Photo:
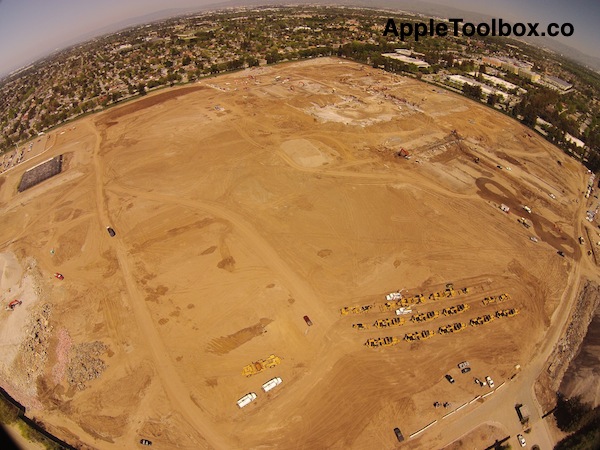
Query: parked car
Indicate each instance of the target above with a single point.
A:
(521, 440)
(145, 442)
(111, 231)
(490, 382)
(465, 370)
(308, 321)
(59, 276)
(449, 378)
(398, 434)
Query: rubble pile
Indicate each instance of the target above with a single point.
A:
(34, 349)
(85, 363)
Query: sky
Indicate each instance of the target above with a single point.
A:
(30, 29)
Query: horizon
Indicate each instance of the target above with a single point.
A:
(64, 23)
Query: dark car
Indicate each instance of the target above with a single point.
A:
(465, 369)
(450, 379)
(398, 434)
(561, 253)
(308, 321)
(111, 231)
(145, 442)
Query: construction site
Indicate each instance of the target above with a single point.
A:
(303, 266)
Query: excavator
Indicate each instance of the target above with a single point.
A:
(12, 305)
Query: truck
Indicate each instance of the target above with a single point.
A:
(272, 383)
(246, 399)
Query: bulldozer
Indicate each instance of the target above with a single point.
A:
(259, 366)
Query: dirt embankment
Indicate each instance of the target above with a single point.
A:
(583, 375)
(569, 369)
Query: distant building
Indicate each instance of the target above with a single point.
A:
(458, 81)
(514, 66)
(401, 56)
(557, 83)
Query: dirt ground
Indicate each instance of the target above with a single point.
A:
(243, 203)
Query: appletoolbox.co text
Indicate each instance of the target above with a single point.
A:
(497, 28)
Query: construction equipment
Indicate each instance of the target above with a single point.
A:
(481, 320)
(451, 328)
(507, 312)
(272, 383)
(458, 326)
(394, 296)
(523, 221)
(495, 299)
(360, 326)
(382, 342)
(355, 309)
(414, 336)
(403, 153)
(246, 399)
(451, 310)
(426, 334)
(389, 322)
(259, 366)
(402, 311)
(12, 305)
(425, 317)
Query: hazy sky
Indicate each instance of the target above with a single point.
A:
(30, 29)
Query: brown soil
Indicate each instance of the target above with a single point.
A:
(233, 223)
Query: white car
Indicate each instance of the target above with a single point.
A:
(521, 440)
(533, 239)
(490, 382)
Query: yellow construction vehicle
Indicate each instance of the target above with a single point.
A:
(426, 334)
(458, 326)
(414, 336)
(355, 309)
(446, 329)
(259, 366)
(507, 312)
(387, 341)
(360, 326)
(451, 310)
(389, 322)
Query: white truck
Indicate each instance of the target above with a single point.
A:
(402, 311)
(246, 399)
(393, 296)
(272, 383)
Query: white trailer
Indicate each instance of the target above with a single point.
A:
(246, 399)
(272, 383)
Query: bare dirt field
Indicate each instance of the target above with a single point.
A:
(247, 201)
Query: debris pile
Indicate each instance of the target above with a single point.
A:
(35, 346)
(85, 363)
